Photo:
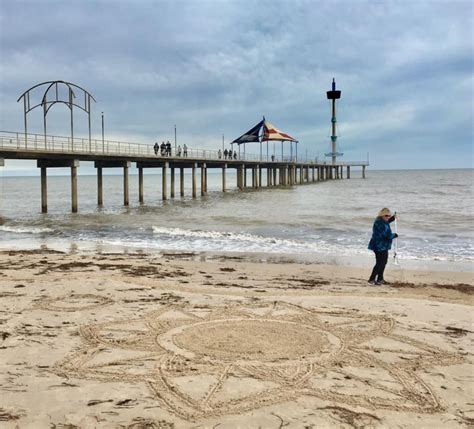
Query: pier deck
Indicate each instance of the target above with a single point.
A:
(56, 151)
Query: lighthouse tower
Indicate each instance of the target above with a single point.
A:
(333, 95)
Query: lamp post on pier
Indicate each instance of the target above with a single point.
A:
(175, 141)
(103, 141)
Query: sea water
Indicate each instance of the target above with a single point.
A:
(328, 221)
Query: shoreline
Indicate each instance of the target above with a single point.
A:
(362, 261)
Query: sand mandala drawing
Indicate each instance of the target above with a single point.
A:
(73, 302)
(202, 362)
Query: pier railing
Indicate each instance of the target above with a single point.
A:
(18, 141)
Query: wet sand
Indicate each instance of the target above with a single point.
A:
(149, 341)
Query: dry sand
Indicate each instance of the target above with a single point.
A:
(147, 341)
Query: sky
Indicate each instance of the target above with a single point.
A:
(214, 68)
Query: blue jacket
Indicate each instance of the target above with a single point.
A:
(382, 235)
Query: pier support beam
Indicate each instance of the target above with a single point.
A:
(245, 177)
(44, 164)
(111, 164)
(44, 191)
(348, 172)
(171, 182)
(313, 175)
(164, 191)
(194, 179)
(274, 181)
(224, 168)
(2, 162)
(203, 180)
(363, 172)
(259, 176)
(140, 185)
(74, 189)
(181, 181)
(125, 186)
(100, 189)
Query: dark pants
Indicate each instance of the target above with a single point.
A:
(380, 262)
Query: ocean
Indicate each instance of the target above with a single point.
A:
(328, 221)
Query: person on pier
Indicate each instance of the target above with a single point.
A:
(380, 244)
(226, 152)
(179, 150)
(156, 148)
(185, 150)
(168, 148)
(163, 148)
(235, 154)
(219, 154)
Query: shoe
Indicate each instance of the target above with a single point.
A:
(382, 282)
(371, 282)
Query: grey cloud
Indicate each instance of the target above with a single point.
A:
(211, 67)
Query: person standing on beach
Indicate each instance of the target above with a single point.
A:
(380, 244)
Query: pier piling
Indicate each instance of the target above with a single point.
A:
(181, 181)
(203, 180)
(44, 191)
(194, 179)
(171, 182)
(140, 185)
(74, 189)
(224, 167)
(100, 189)
(125, 185)
(163, 182)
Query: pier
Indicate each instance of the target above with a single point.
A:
(253, 171)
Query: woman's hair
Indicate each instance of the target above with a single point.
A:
(385, 212)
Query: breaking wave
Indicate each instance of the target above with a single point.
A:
(25, 230)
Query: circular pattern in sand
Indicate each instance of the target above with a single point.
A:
(262, 340)
(73, 302)
(203, 362)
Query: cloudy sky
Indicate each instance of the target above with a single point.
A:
(405, 69)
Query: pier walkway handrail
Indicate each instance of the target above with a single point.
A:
(19, 142)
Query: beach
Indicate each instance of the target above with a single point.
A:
(178, 340)
(191, 211)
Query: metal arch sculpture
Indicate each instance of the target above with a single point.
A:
(47, 104)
